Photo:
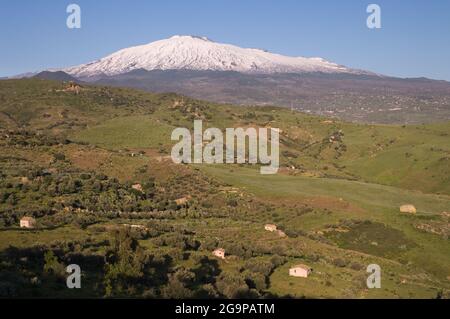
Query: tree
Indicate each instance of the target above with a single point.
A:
(125, 263)
(233, 286)
(179, 284)
(52, 265)
(256, 280)
(207, 270)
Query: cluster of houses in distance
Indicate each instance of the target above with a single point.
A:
(299, 270)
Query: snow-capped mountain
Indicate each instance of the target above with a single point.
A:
(195, 67)
(201, 54)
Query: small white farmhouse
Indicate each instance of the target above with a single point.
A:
(182, 201)
(27, 222)
(219, 252)
(270, 227)
(408, 209)
(300, 271)
(138, 187)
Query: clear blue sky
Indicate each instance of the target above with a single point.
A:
(414, 39)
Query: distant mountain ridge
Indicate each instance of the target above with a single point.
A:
(56, 75)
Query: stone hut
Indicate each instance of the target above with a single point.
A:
(410, 209)
(300, 271)
(219, 252)
(27, 222)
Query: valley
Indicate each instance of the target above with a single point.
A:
(91, 164)
(356, 98)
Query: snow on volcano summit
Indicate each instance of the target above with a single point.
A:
(200, 53)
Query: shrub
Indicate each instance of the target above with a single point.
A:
(339, 262)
